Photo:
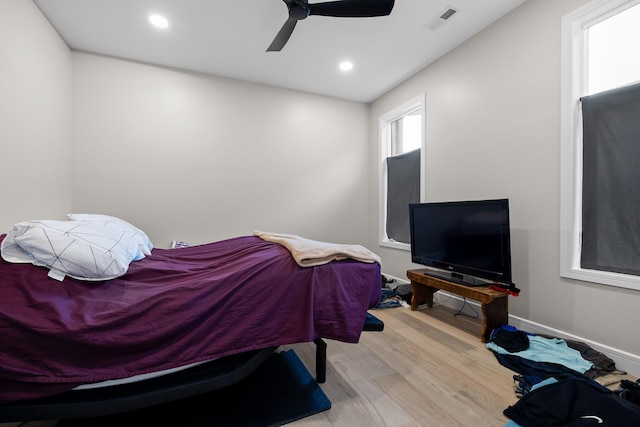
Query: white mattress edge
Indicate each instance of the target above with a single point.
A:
(137, 378)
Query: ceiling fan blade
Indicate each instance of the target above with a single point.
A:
(283, 35)
(352, 8)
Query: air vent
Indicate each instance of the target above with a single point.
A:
(448, 14)
(441, 19)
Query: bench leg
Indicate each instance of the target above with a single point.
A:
(495, 313)
(421, 293)
(321, 360)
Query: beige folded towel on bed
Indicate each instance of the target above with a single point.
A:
(308, 253)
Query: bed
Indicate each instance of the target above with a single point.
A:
(219, 308)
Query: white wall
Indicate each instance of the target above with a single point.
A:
(493, 130)
(35, 116)
(194, 157)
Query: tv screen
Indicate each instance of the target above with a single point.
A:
(467, 238)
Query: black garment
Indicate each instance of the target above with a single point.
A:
(511, 340)
(574, 403)
(629, 391)
(543, 370)
(601, 364)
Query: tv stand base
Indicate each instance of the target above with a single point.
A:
(495, 304)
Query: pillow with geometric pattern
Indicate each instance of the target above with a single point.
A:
(119, 225)
(83, 250)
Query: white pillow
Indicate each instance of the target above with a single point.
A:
(83, 250)
(118, 224)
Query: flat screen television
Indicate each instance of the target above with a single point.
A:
(463, 241)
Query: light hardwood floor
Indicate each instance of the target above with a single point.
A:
(427, 368)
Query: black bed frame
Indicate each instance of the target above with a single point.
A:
(203, 378)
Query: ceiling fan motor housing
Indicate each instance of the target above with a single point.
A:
(298, 12)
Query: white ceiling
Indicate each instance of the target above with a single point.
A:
(229, 38)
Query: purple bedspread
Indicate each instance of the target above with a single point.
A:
(175, 307)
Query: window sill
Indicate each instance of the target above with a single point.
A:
(395, 245)
(625, 281)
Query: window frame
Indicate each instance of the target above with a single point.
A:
(574, 68)
(417, 103)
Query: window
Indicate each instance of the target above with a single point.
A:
(401, 170)
(599, 53)
(613, 59)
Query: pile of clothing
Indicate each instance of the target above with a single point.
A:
(394, 294)
(556, 385)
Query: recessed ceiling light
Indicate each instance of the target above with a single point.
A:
(346, 66)
(159, 21)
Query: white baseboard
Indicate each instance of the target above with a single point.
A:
(625, 361)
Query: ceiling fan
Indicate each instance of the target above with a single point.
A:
(300, 9)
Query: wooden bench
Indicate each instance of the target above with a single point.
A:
(495, 304)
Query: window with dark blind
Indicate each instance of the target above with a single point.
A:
(402, 132)
(610, 183)
(599, 62)
(403, 184)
